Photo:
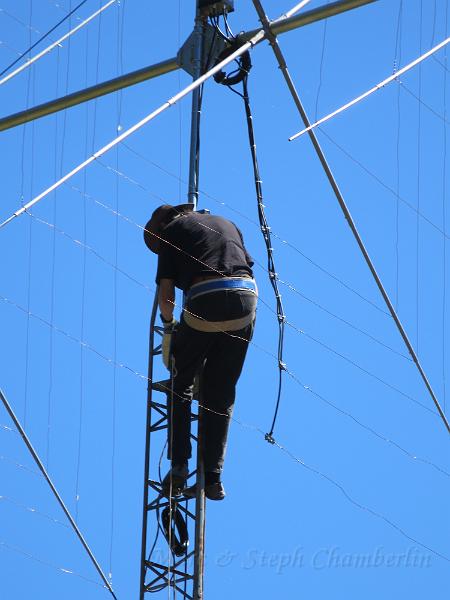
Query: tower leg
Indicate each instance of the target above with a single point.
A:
(199, 556)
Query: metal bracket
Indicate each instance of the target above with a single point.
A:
(215, 8)
(213, 45)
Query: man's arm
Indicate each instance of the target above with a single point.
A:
(166, 298)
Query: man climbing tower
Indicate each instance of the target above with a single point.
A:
(203, 255)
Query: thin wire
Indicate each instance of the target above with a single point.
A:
(342, 320)
(397, 61)
(25, 25)
(419, 137)
(358, 504)
(322, 56)
(440, 63)
(375, 88)
(372, 431)
(48, 564)
(97, 73)
(119, 68)
(20, 465)
(52, 279)
(90, 249)
(423, 103)
(8, 428)
(43, 37)
(58, 42)
(32, 510)
(444, 222)
(9, 47)
(83, 299)
(30, 234)
(358, 366)
(382, 183)
(61, 8)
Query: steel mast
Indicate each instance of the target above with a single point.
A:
(176, 513)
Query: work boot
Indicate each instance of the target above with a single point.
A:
(213, 491)
(174, 481)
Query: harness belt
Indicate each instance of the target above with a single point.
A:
(223, 283)
(217, 326)
(218, 285)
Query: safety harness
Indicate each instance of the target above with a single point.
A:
(219, 285)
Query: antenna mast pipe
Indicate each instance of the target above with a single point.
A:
(194, 172)
(199, 36)
(270, 35)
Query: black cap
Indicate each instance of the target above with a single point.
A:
(160, 218)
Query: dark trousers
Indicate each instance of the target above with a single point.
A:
(222, 356)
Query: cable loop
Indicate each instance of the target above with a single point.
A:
(173, 524)
(244, 66)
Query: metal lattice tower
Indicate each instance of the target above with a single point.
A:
(178, 518)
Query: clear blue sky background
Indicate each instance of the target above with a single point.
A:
(364, 428)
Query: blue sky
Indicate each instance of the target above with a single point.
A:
(365, 511)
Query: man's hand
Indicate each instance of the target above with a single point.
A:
(167, 341)
(166, 299)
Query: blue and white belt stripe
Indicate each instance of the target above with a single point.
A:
(224, 283)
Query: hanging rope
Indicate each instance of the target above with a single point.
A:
(240, 75)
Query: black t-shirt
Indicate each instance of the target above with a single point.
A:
(201, 244)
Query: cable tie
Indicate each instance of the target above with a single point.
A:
(282, 366)
(269, 438)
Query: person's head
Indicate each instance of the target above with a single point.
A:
(160, 218)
